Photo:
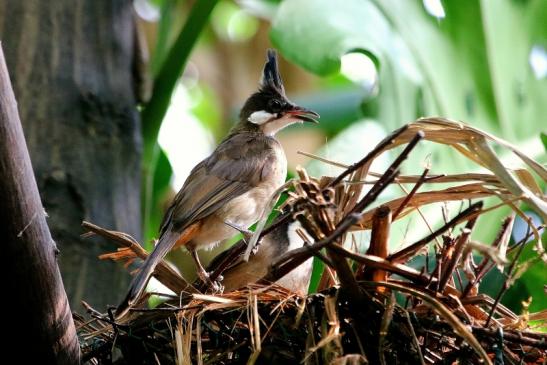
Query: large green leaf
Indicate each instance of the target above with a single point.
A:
(315, 34)
(511, 29)
(473, 63)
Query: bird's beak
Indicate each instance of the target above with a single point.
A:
(304, 114)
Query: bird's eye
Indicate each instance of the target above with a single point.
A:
(274, 105)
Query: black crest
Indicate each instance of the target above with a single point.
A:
(270, 76)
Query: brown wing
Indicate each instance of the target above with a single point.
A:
(240, 163)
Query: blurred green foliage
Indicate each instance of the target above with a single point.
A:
(530, 282)
(169, 70)
(471, 65)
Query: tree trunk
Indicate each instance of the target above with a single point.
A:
(71, 66)
(39, 304)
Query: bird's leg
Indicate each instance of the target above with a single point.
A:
(202, 273)
(247, 234)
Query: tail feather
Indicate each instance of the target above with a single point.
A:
(165, 244)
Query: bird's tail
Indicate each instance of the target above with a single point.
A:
(164, 245)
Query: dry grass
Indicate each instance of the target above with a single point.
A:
(373, 307)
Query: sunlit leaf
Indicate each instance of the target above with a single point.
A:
(472, 65)
(207, 109)
(315, 34)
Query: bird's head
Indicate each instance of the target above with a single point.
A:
(269, 110)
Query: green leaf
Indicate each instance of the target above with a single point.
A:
(164, 84)
(472, 65)
(170, 71)
(531, 283)
(316, 274)
(338, 109)
(459, 66)
(207, 109)
(165, 25)
(511, 29)
(315, 34)
(161, 180)
(543, 137)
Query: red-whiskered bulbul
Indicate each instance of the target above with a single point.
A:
(233, 185)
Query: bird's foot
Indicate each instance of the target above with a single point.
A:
(208, 285)
(216, 287)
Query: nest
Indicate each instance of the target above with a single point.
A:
(371, 307)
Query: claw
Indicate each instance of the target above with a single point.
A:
(216, 287)
(209, 286)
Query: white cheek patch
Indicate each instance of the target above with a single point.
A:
(260, 117)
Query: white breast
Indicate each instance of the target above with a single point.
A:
(297, 280)
(246, 209)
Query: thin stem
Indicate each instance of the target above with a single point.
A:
(295, 258)
(408, 251)
(482, 269)
(379, 148)
(390, 175)
(506, 285)
(409, 196)
(457, 253)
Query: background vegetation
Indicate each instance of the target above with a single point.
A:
(118, 100)
(366, 66)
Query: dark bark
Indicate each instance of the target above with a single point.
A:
(71, 65)
(36, 293)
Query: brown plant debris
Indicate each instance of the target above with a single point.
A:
(418, 304)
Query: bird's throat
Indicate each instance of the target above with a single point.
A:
(272, 127)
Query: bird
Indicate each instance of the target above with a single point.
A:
(232, 186)
(285, 237)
